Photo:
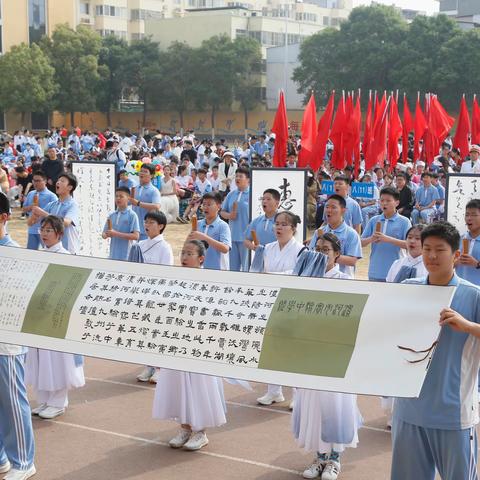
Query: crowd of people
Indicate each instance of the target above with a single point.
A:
(173, 178)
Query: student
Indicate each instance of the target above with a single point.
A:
(425, 199)
(468, 265)
(193, 400)
(280, 257)
(235, 209)
(215, 232)
(44, 197)
(369, 206)
(326, 422)
(124, 226)
(407, 199)
(437, 429)
(155, 249)
(201, 187)
(65, 207)
(440, 203)
(335, 209)
(51, 374)
(125, 181)
(388, 242)
(17, 447)
(147, 197)
(263, 225)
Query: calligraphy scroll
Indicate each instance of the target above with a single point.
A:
(326, 335)
(461, 188)
(95, 195)
(291, 183)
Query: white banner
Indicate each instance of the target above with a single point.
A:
(461, 188)
(95, 195)
(290, 183)
(323, 334)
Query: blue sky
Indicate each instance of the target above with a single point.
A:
(430, 6)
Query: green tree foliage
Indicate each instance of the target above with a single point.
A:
(27, 81)
(74, 56)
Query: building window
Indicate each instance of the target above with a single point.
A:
(110, 11)
(326, 20)
(37, 25)
(240, 33)
(138, 36)
(85, 8)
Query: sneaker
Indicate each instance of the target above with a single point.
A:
(146, 374)
(15, 474)
(5, 467)
(331, 470)
(268, 399)
(196, 441)
(51, 412)
(179, 219)
(36, 411)
(314, 470)
(154, 377)
(180, 439)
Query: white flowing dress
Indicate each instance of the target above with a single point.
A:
(169, 203)
(326, 421)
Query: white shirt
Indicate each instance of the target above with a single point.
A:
(156, 250)
(284, 260)
(467, 167)
(336, 273)
(407, 261)
(57, 248)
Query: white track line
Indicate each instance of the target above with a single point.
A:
(235, 404)
(164, 444)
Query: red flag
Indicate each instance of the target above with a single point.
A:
(475, 123)
(309, 134)
(336, 135)
(367, 132)
(407, 128)
(357, 122)
(280, 129)
(394, 133)
(439, 125)
(323, 132)
(349, 131)
(420, 126)
(463, 129)
(378, 146)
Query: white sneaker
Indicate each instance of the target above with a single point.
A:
(180, 439)
(331, 470)
(146, 374)
(37, 410)
(15, 474)
(5, 467)
(268, 399)
(154, 377)
(51, 412)
(314, 470)
(196, 441)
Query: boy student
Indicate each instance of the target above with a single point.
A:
(43, 197)
(235, 208)
(353, 214)
(147, 197)
(440, 203)
(263, 225)
(335, 209)
(215, 232)
(124, 180)
(122, 226)
(201, 187)
(468, 265)
(406, 195)
(65, 207)
(388, 238)
(16, 433)
(425, 199)
(437, 429)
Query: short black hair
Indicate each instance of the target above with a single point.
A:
(342, 178)
(401, 174)
(244, 170)
(202, 170)
(72, 179)
(149, 167)
(390, 191)
(39, 173)
(444, 230)
(156, 216)
(4, 204)
(121, 172)
(274, 193)
(55, 222)
(419, 226)
(215, 196)
(426, 174)
(123, 189)
(339, 199)
(475, 203)
(333, 239)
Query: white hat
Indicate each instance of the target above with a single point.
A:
(227, 153)
(420, 163)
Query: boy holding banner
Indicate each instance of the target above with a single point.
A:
(17, 447)
(437, 429)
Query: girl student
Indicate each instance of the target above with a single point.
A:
(193, 400)
(326, 422)
(53, 374)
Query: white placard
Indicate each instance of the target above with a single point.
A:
(222, 323)
(461, 188)
(95, 195)
(290, 183)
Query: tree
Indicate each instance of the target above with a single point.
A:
(74, 55)
(248, 64)
(27, 83)
(112, 69)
